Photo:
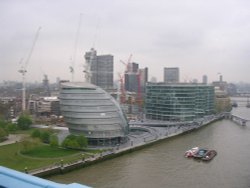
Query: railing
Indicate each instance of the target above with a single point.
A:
(237, 119)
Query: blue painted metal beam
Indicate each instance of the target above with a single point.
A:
(11, 178)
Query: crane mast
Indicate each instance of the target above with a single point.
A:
(23, 70)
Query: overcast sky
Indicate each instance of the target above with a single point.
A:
(200, 37)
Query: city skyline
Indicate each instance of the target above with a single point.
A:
(201, 38)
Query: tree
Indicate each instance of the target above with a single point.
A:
(11, 127)
(45, 136)
(24, 121)
(3, 134)
(2, 123)
(82, 141)
(36, 133)
(75, 142)
(53, 141)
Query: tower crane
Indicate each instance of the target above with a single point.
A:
(87, 66)
(23, 69)
(73, 58)
(127, 64)
(122, 91)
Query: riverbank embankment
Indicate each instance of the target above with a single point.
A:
(119, 150)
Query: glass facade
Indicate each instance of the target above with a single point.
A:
(178, 102)
(89, 110)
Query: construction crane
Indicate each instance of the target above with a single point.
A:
(73, 58)
(127, 64)
(23, 69)
(122, 98)
(87, 66)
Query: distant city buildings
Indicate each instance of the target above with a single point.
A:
(222, 101)
(171, 75)
(178, 102)
(153, 79)
(99, 69)
(46, 85)
(204, 79)
(44, 106)
(222, 85)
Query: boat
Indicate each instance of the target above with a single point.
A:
(210, 154)
(200, 153)
(191, 152)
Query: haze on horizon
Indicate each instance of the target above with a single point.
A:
(199, 37)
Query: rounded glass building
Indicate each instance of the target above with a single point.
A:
(89, 110)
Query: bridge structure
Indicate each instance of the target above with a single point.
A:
(236, 118)
(12, 178)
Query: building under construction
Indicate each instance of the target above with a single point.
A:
(100, 69)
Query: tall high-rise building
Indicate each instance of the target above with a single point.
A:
(135, 78)
(143, 78)
(131, 77)
(204, 79)
(100, 69)
(171, 75)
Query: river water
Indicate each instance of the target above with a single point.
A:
(163, 165)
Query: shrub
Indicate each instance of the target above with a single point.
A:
(24, 122)
(75, 142)
(36, 133)
(82, 141)
(3, 134)
(28, 144)
(11, 127)
(53, 141)
(45, 137)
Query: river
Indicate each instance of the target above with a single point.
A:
(163, 165)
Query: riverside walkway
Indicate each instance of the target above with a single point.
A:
(135, 141)
(237, 119)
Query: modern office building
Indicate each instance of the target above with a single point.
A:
(143, 79)
(100, 69)
(135, 78)
(131, 77)
(131, 82)
(204, 79)
(89, 110)
(171, 75)
(178, 102)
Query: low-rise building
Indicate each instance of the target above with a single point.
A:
(178, 101)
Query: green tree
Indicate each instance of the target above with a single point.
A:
(36, 133)
(53, 141)
(65, 143)
(45, 136)
(82, 141)
(24, 122)
(2, 124)
(75, 142)
(11, 127)
(3, 134)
